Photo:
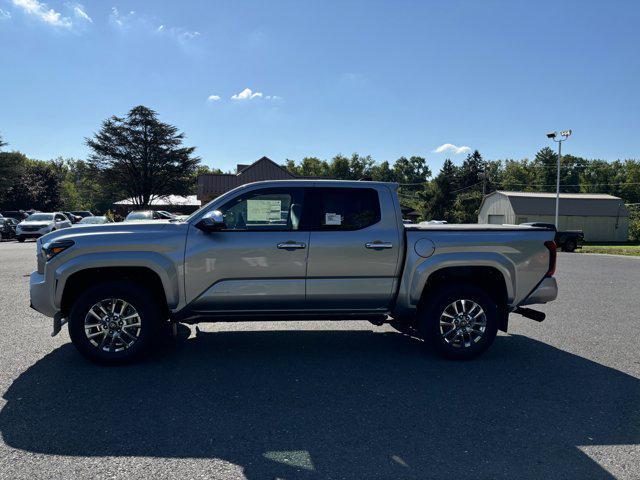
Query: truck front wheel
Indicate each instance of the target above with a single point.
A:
(460, 321)
(114, 322)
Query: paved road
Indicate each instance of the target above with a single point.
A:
(333, 400)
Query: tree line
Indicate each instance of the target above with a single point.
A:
(138, 156)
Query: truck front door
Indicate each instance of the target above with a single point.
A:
(257, 263)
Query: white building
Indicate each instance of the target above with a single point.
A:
(602, 217)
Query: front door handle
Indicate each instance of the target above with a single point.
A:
(291, 245)
(378, 245)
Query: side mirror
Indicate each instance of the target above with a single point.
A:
(212, 222)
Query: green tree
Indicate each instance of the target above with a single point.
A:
(545, 167)
(465, 207)
(142, 156)
(13, 167)
(472, 170)
(518, 175)
(411, 170)
(340, 168)
(2, 143)
(313, 167)
(440, 194)
(382, 172)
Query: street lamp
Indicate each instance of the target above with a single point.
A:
(554, 136)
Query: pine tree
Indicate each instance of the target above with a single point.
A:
(142, 156)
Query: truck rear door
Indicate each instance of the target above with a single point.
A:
(354, 248)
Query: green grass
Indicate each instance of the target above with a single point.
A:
(612, 248)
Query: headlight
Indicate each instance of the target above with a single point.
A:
(51, 249)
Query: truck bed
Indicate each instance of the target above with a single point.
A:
(471, 226)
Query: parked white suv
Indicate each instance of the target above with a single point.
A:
(38, 224)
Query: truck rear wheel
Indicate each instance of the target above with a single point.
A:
(114, 322)
(569, 246)
(460, 321)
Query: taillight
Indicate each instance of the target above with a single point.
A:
(553, 248)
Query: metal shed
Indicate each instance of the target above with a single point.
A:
(602, 217)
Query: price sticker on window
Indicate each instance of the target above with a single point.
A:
(332, 219)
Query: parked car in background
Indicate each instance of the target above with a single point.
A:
(7, 228)
(38, 224)
(82, 213)
(19, 215)
(165, 214)
(567, 240)
(94, 220)
(74, 218)
(142, 215)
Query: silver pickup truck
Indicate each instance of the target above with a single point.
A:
(292, 250)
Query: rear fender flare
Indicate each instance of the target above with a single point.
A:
(461, 259)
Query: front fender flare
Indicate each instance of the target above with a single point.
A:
(155, 262)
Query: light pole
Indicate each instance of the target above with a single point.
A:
(554, 136)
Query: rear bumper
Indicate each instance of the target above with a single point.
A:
(41, 298)
(546, 291)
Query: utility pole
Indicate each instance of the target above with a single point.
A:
(553, 136)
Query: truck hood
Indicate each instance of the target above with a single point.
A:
(40, 224)
(121, 228)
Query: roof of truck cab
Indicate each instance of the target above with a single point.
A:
(327, 182)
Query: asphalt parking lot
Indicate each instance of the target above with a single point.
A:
(343, 400)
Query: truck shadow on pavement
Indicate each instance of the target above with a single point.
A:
(331, 404)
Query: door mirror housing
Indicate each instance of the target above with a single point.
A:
(212, 222)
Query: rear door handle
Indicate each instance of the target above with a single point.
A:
(291, 245)
(378, 245)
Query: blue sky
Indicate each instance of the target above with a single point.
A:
(381, 78)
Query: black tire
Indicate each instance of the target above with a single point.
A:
(569, 246)
(150, 319)
(431, 311)
(20, 239)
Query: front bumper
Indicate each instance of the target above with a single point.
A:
(546, 291)
(41, 295)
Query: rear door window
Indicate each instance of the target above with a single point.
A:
(340, 209)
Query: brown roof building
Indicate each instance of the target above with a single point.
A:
(211, 185)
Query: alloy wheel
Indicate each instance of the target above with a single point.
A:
(112, 325)
(463, 323)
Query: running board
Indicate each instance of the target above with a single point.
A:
(531, 314)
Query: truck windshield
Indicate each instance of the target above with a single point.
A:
(145, 215)
(40, 217)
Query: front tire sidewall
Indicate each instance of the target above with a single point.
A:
(436, 304)
(134, 294)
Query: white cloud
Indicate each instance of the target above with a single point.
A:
(4, 15)
(145, 23)
(80, 12)
(121, 20)
(246, 94)
(273, 97)
(450, 147)
(213, 98)
(41, 11)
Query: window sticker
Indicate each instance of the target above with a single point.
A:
(263, 210)
(332, 219)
